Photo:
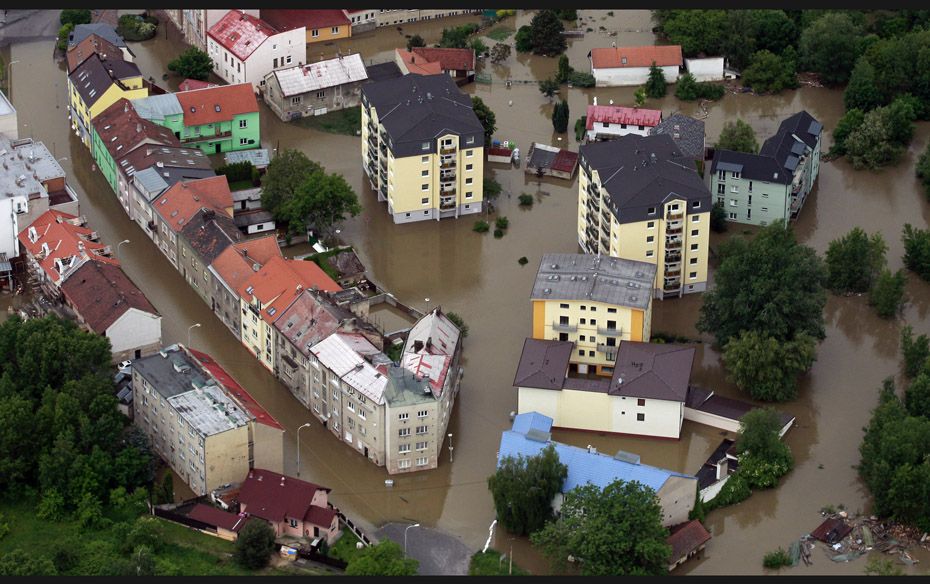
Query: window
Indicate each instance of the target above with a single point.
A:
(243, 123)
(749, 200)
(748, 213)
(590, 353)
(750, 186)
(611, 311)
(468, 181)
(320, 94)
(695, 218)
(734, 174)
(640, 417)
(422, 461)
(469, 194)
(563, 320)
(732, 215)
(424, 146)
(335, 30)
(583, 320)
(469, 153)
(403, 448)
(563, 336)
(243, 141)
(693, 261)
(274, 64)
(722, 175)
(314, 33)
(721, 188)
(640, 402)
(693, 275)
(694, 247)
(403, 432)
(695, 204)
(288, 59)
(652, 210)
(651, 225)
(425, 159)
(593, 322)
(403, 463)
(694, 232)
(424, 173)
(650, 238)
(403, 416)
(581, 353)
(468, 166)
(583, 307)
(650, 253)
(593, 309)
(581, 338)
(422, 445)
(422, 413)
(293, 522)
(765, 209)
(470, 140)
(424, 187)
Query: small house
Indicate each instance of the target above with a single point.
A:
(315, 88)
(626, 66)
(603, 122)
(706, 69)
(544, 160)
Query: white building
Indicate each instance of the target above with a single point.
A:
(392, 16)
(604, 122)
(362, 20)
(245, 49)
(709, 69)
(625, 66)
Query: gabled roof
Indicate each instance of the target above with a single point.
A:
(417, 64)
(530, 435)
(122, 130)
(158, 107)
(217, 517)
(310, 319)
(344, 354)
(217, 104)
(240, 33)
(383, 71)
(94, 76)
(686, 538)
(102, 293)
(543, 363)
(614, 114)
(209, 233)
(285, 20)
(651, 370)
(172, 163)
(236, 391)
(276, 497)
(623, 57)
(686, 132)
(575, 276)
(66, 241)
(100, 29)
(189, 84)
(300, 79)
(181, 202)
(449, 59)
(238, 262)
(279, 281)
(91, 44)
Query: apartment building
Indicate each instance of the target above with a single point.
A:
(207, 428)
(362, 20)
(201, 241)
(640, 198)
(194, 23)
(320, 26)
(772, 185)
(231, 268)
(95, 85)
(315, 88)
(391, 17)
(178, 205)
(594, 301)
(422, 147)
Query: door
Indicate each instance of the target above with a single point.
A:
(217, 148)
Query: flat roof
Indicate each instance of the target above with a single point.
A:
(210, 411)
(24, 165)
(575, 276)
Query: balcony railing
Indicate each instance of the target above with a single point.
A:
(673, 243)
(672, 257)
(673, 215)
(448, 188)
(207, 137)
(611, 350)
(565, 328)
(605, 243)
(445, 164)
(447, 150)
(447, 203)
(673, 229)
(610, 332)
(672, 272)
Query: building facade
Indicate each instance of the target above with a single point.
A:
(315, 88)
(639, 198)
(422, 148)
(391, 17)
(625, 66)
(95, 85)
(231, 269)
(216, 119)
(320, 26)
(604, 122)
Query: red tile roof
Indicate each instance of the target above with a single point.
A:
(322, 516)
(686, 538)
(240, 33)
(234, 264)
(216, 104)
(285, 20)
(418, 65)
(102, 293)
(614, 114)
(64, 240)
(664, 56)
(183, 200)
(275, 497)
(92, 44)
(279, 281)
(448, 59)
(217, 517)
(122, 129)
(235, 390)
(565, 161)
(190, 84)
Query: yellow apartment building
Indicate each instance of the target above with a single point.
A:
(595, 302)
(422, 148)
(640, 199)
(322, 26)
(95, 85)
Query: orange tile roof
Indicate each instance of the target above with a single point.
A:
(664, 56)
(64, 239)
(417, 64)
(449, 59)
(183, 200)
(278, 283)
(216, 104)
(90, 45)
(284, 20)
(234, 268)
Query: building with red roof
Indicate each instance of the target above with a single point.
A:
(231, 269)
(219, 119)
(175, 207)
(686, 540)
(624, 66)
(320, 25)
(293, 507)
(457, 63)
(245, 49)
(191, 84)
(604, 122)
(226, 524)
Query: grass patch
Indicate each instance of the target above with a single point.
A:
(500, 33)
(490, 563)
(345, 121)
(344, 548)
(777, 559)
(320, 260)
(241, 185)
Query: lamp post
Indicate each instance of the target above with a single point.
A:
(9, 75)
(189, 330)
(450, 447)
(307, 425)
(117, 251)
(427, 305)
(405, 536)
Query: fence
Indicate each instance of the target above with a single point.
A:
(315, 556)
(351, 526)
(184, 520)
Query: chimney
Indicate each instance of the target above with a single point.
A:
(138, 127)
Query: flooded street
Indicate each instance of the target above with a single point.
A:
(479, 277)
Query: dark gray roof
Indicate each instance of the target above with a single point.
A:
(687, 132)
(652, 370)
(575, 276)
(209, 233)
(779, 155)
(642, 172)
(415, 109)
(383, 71)
(173, 374)
(105, 31)
(543, 364)
(94, 76)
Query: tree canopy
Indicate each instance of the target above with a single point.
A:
(415, 41)
(560, 117)
(545, 34)
(917, 250)
(771, 73)
(255, 544)
(287, 170)
(616, 531)
(322, 200)
(192, 64)
(385, 558)
(523, 489)
(739, 137)
(656, 86)
(882, 137)
(830, 47)
(766, 367)
(486, 117)
(887, 293)
(854, 261)
(457, 36)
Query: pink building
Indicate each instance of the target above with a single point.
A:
(292, 506)
(605, 122)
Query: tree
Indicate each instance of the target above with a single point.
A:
(548, 87)
(686, 89)
(132, 27)
(922, 170)
(887, 294)
(871, 145)
(254, 544)
(500, 52)
(656, 86)
(166, 492)
(322, 200)
(770, 73)
(63, 33)
(286, 172)
(415, 41)
(457, 36)
(523, 489)
(830, 47)
(486, 117)
(862, 92)
(773, 30)
(739, 137)
(639, 97)
(718, 218)
(567, 14)
(546, 34)
(850, 122)
(192, 64)
(581, 79)
(917, 396)
(459, 322)
(560, 117)
(616, 531)
(75, 16)
(492, 188)
(759, 436)
(915, 351)
(20, 563)
(917, 251)
(386, 558)
(772, 285)
(766, 367)
(477, 45)
(901, 113)
(564, 71)
(523, 40)
(854, 261)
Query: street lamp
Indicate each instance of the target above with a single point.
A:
(189, 329)
(450, 447)
(117, 249)
(405, 536)
(307, 425)
(427, 305)
(9, 74)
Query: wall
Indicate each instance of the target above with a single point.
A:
(268, 447)
(709, 69)
(606, 131)
(544, 401)
(765, 203)
(114, 93)
(712, 420)
(393, 440)
(9, 226)
(135, 329)
(662, 417)
(326, 33)
(677, 499)
(627, 76)
(288, 48)
(227, 458)
(392, 17)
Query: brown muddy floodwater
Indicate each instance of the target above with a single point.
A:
(478, 277)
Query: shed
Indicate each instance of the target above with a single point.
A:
(258, 157)
(500, 154)
(686, 540)
(551, 161)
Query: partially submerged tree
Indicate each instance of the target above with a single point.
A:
(523, 489)
(739, 137)
(854, 260)
(486, 117)
(656, 85)
(192, 64)
(385, 558)
(286, 172)
(767, 368)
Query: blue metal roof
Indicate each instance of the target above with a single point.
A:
(583, 466)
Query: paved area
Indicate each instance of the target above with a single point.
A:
(439, 553)
(24, 25)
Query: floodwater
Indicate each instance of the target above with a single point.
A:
(479, 277)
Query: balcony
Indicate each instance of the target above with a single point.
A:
(674, 215)
(447, 163)
(605, 217)
(447, 150)
(610, 332)
(672, 272)
(565, 328)
(673, 243)
(605, 244)
(605, 229)
(674, 229)
(446, 203)
(372, 139)
(591, 231)
(610, 350)
(450, 188)
(672, 257)
(671, 284)
(207, 137)
(447, 174)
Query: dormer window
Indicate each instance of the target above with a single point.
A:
(652, 210)
(249, 290)
(33, 234)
